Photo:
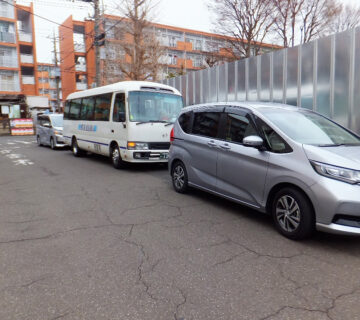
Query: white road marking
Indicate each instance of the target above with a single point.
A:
(24, 162)
(5, 151)
(14, 156)
(24, 142)
(10, 143)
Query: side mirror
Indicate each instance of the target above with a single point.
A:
(253, 141)
(47, 125)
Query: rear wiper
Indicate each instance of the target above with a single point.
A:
(168, 123)
(151, 121)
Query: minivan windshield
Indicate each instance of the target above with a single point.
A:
(310, 128)
(57, 121)
(154, 106)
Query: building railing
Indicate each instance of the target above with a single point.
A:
(25, 36)
(7, 37)
(80, 67)
(28, 79)
(81, 86)
(27, 58)
(79, 47)
(6, 11)
(10, 62)
(6, 85)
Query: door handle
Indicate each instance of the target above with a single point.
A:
(112, 130)
(212, 144)
(225, 147)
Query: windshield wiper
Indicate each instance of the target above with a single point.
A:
(152, 121)
(339, 144)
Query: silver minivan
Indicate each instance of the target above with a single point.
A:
(295, 164)
(49, 130)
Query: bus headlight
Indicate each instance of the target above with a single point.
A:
(137, 145)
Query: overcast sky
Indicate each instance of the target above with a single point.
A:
(191, 14)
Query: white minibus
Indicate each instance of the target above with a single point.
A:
(129, 121)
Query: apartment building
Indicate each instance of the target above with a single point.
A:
(18, 66)
(47, 77)
(185, 50)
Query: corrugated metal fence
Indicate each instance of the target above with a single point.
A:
(323, 75)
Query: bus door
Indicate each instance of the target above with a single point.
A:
(118, 124)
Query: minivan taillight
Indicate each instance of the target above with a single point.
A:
(172, 136)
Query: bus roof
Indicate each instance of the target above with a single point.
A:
(127, 86)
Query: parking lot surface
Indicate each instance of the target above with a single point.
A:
(81, 240)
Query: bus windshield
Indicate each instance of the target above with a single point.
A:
(154, 106)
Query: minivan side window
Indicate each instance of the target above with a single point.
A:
(206, 124)
(119, 108)
(238, 127)
(184, 122)
(67, 109)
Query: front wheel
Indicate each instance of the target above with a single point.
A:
(77, 152)
(293, 214)
(116, 160)
(52, 144)
(38, 141)
(179, 177)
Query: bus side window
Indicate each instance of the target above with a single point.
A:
(119, 108)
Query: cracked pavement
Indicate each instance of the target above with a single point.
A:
(81, 240)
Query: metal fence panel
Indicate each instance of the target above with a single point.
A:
(198, 98)
(342, 76)
(231, 81)
(213, 94)
(184, 90)
(241, 89)
(323, 76)
(278, 76)
(265, 73)
(307, 75)
(190, 80)
(222, 95)
(292, 76)
(252, 89)
(355, 116)
(206, 85)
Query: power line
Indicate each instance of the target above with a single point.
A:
(41, 17)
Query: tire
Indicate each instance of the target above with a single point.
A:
(116, 160)
(179, 177)
(38, 141)
(52, 144)
(293, 214)
(77, 152)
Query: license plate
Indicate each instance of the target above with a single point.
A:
(164, 156)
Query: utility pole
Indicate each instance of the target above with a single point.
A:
(57, 76)
(97, 48)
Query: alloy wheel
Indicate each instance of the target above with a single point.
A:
(179, 177)
(288, 213)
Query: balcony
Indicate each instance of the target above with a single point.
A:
(25, 36)
(7, 37)
(28, 79)
(80, 67)
(27, 58)
(81, 86)
(79, 47)
(9, 62)
(7, 85)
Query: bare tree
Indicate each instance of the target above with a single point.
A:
(303, 20)
(141, 50)
(348, 18)
(248, 22)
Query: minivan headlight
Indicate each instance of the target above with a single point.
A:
(338, 173)
(137, 145)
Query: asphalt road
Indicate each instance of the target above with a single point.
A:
(81, 240)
